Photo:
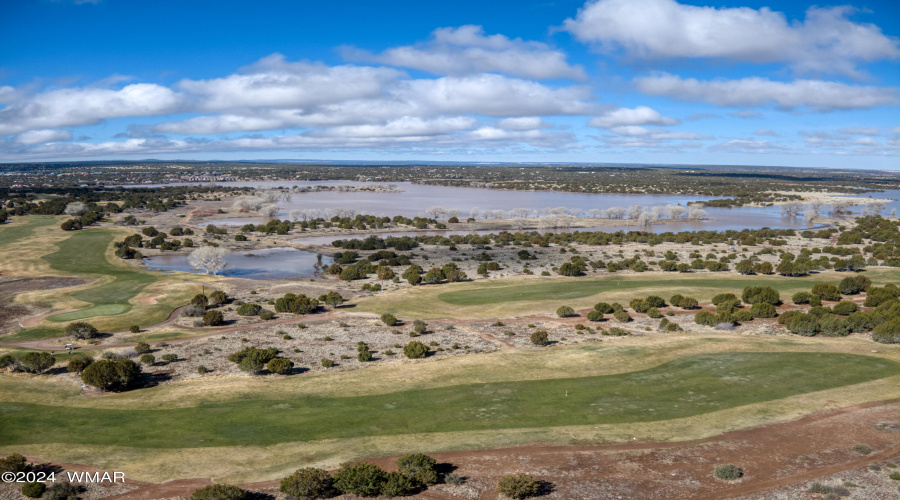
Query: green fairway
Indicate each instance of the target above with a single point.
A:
(688, 386)
(22, 228)
(666, 284)
(84, 254)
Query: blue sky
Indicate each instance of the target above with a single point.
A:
(636, 81)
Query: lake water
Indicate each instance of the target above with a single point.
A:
(265, 264)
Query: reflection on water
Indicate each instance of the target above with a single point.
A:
(416, 198)
(266, 264)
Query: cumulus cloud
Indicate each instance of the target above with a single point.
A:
(85, 106)
(44, 135)
(523, 123)
(754, 91)
(467, 50)
(275, 83)
(826, 41)
(641, 115)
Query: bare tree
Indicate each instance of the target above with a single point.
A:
(595, 213)
(75, 208)
(296, 215)
(474, 212)
(268, 210)
(435, 211)
(675, 211)
(840, 207)
(635, 211)
(697, 214)
(453, 212)
(646, 218)
(615, 212)
(874, 208)
(519, 213)
(810, 214)
(209, 259)
(659, 211)
(791, 209)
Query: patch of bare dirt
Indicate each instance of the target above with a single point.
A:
(11, 313)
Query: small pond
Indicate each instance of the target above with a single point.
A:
(265, 264)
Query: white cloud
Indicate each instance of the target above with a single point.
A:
(523, 123)
(44, 135)
(872, 131)
(403, 127)
(814, 94)
(467, 50)
(275, 83)
(746, 114)
(85, 106)
(827, 41)
(766, 131)
(641, 115)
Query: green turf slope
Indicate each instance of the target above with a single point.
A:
(685, 387)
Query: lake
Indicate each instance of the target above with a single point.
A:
(265, 264)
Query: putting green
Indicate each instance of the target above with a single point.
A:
(685, 387)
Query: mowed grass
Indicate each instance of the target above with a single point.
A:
(521, 296)
(21, 228)
(108, 299)
(684, 387)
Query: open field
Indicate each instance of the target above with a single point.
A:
(533, 295)
(696, 387)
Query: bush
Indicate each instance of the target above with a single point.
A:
(687, 303)
(202, 370)
(845, 308)
(396, 484)
(219, 492)
(142, 348)
(192, 311)
(706, 318)
(389, 319)
(415, 350)
(61, 491)
(887, 332)
(37, 362)
(249, 309)
(754, 294)
(308, 482)
(280, 365)
(327, 363)
(895, 476)
(33, 489)
(862, 449)
(79, 362)
(653, 312)
(826, 291)
(763, 310)
(595, 316)
(656, 301)
(361, 479)
(801, 298)
(622, 316)
(213, 318)
(453, 479)
(603, 308)
(540, 338)
(805, 325)
(266, 315)
(519, 486)
(297, 304)
(419, 467)
(724, 297)
(200, 300)
(565, 312)
(218, 297)
(148, 359)
(420, 326)
(832, 326)
(675, 299)
(120, 374)
(728, 472)
(251, 359)
(13, 463)
(81, 330)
